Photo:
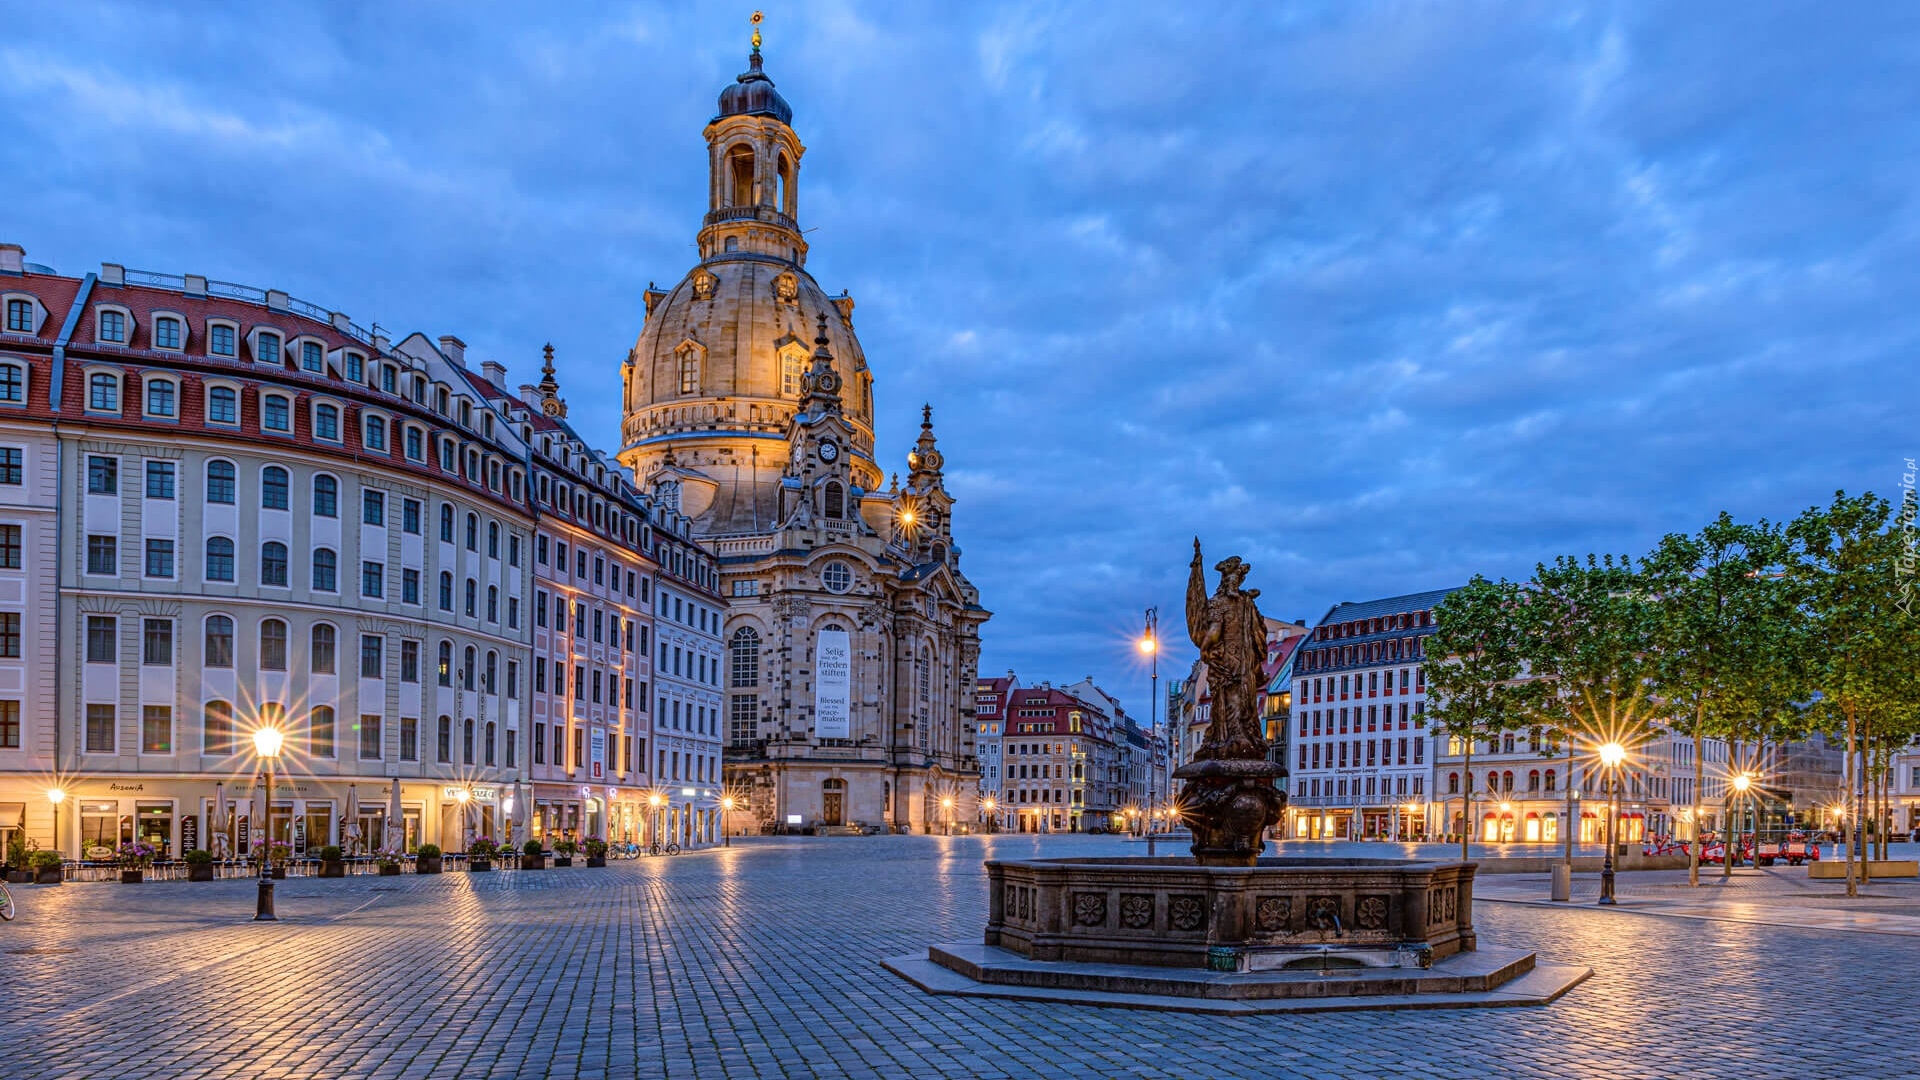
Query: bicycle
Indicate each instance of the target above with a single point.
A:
(6, 903)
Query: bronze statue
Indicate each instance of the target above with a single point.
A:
(1232, 639)
(1230, 798)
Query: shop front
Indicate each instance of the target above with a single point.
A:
(222, 815)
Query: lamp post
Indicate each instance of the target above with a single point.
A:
(56, 796)
(461, 797)
(267, 741)
(654, 802)
(1150, 645)
(726, 807)
(946, 812)
(1611, 755)
(1737, 790)
(993, 820)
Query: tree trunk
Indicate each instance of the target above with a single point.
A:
(1866, 804)
(1466, 802)
(1729, 838)
(1699, 774)
(1853, 886)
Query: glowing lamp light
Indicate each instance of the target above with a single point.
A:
(1148, 645)
(906, 517)
(726, 802)
(1742, 782)
(462, 795)
(1612, 754)
(947, 802)
(655, 799)
(267, 741)
(56, 796)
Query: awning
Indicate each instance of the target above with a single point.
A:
(12, 814)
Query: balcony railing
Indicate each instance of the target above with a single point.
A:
(750, 213)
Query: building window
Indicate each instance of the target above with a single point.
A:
(744, 657)
(220, 482)
(356, 367)
(837, 577)
(20, 316)
(273, 563)
(320, 732)
(373, 578)
(326, 570)
(493, 603)
(160, 398)
(323, 649)
(159, 558)
(159, 479)
(103, 555)
(416, 447)
(103, 475)
(219, 558)
(446, 590)
(446, 523)
(100, 729)
(373, 508)
(223, 405)
(276, 414)
(166, 332)
(13, 384)
(467, 668)
(410, 661)
(376, 429)
(311, 356)
(326, 422)
(273, 488)
(220, 340)
(10, 635)
(267, 348)
(217, 737)
(409, 738)
(369, 736)
(326, 497)
(466, 742)
(445, 747)
(409, 586)
(217, 650)
(12, 465)
(410, 516)
(372, 656)
(113, 327)
(9, 547)
(472, 598)
(156, 729)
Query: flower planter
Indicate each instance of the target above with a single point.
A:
(132, 877)
(563, 860)
(533, 862)
(19, 877)
(53, 876)
(479, 866)
(333, 868)
(199, 871)
(427, 864)
(279, 873)
(389, 869)
(596, 860)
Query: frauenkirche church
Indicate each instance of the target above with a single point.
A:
(852, 637)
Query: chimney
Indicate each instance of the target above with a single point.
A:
(13, 259)
(455, 349)
(495, 372)
(530, 394)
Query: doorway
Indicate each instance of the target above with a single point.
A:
(833, 802)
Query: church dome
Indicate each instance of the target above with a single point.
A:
(752, 94)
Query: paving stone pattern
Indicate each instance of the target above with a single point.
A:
(763, 961)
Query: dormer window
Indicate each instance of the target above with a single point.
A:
(103, 392)
(486, 424)
(221, 338)
(276, 414)
(416, 444)
(312, 357)
(442, 401)
(167, 331)
(13, 384)
(466, 413)
(161, 396)
(326, 422)
(386, 378)
(112, 326)
(356, 367)
(266, 347)
(19, 315)
(376, 432)
(223, 405)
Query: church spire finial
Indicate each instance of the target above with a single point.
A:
(757, 17)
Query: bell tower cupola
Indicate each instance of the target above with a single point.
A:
(753, 161)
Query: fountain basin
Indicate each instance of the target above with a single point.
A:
(1280, 914)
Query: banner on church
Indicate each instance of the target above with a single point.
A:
(833, 685)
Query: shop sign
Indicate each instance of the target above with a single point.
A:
(189, 832)
(478, 794)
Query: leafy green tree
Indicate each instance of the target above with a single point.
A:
(1725, 645)
(1475, 669)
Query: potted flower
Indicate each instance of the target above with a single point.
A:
(532, 857)
(199, 864)
(134, 857)
(48, 868)
(563, 850)
(277, 853)
(480, 851)
(596, 851)
(426, 859)
(331, 864)
(20, 859)
(388, 859)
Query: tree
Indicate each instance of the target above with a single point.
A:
(1846, 565)
(1590, 642)
(1474, 672)
(1723, 622)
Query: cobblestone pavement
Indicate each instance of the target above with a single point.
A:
(763, 961)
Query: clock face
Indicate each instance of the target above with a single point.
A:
(829, 451)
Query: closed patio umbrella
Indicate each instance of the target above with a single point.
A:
(522, 812)
(217, 823)
(396, 824)
(350, 828)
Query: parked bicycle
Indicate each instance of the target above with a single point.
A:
(669, 848)
(6, 903)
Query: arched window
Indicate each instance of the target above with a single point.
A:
(1550, 780)
(323, 649)
(836, 500)
(220, 482)
(783, 196)
(466, 670)
(446, 523)
(740, 176)
(320, 732)
(473, 532)
(273, 563)
(326, 497)
(466, 742)
(1506, 781)
(326, 570)
(491, 686)
(219, 558)
(1533, 780)
(217, 648)
(445, 747)
(273, 645)
(487, 747)
(216, 731)
(446, 663)
(273, 488)
(744, 658)
(446, 590)
(689, 369)
(493, 539)
(1453, 783)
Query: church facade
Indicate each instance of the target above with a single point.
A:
(852, 638)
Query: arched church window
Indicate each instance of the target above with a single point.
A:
(689, 370)
(783, 175)
(836, 500)
(790, 368)
(744, 658)
(925, 674)
(740, 172)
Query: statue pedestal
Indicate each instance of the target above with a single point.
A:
(1230, 804)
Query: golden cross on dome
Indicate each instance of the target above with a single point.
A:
(757, 17)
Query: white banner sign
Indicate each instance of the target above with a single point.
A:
(832, 685)
(597, 739)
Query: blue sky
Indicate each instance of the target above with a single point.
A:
(1376, 295)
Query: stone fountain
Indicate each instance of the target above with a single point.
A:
(1228, 930)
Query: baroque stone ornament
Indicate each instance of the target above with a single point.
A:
(1272, 914)
(1371, 913)
(1231, 797)
(1090, 909)
(1136, 911)
(1186, 912)
(703, 285)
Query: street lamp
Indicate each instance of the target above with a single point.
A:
(946, 809)
(1737, 789)
(1150, 648)
(655, 800)
(989, 805)
(56, 796)
(726, 807)
(1611, 755)
(461, 797)
(267, 741)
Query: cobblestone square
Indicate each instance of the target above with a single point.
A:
(763, 960)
